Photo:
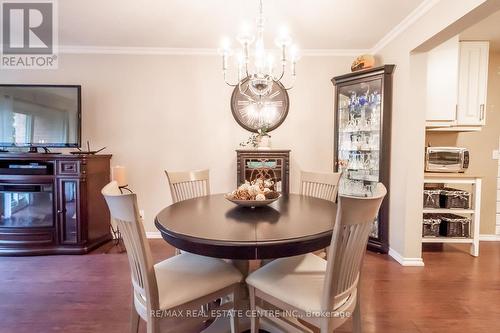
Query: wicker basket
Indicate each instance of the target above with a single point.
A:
(430, 225)
(454, 225)
(453, 198)
(432, 198)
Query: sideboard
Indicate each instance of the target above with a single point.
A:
(52, 204)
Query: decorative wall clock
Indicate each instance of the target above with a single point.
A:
(254, 112)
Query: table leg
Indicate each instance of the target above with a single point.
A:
(244, 267)
(222, 325)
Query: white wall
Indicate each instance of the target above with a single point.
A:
(172, 112)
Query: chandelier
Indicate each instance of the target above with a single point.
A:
(258, 65)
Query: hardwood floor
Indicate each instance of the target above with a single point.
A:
(454, 292)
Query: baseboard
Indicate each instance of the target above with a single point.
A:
(417, 262)
(153, 234)
(489, 238)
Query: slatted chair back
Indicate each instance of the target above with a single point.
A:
(186, 185)
(319, 185)
(355, 217)
(125, 212)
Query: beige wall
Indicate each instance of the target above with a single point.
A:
(172, 112)
(156, 112)
(481, 145)
(444, 20)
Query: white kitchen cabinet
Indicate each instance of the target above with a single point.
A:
(442, 83)
(472, 83)
(457, 80)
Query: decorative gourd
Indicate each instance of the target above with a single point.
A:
(364, 61)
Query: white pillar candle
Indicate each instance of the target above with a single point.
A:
(119, 174)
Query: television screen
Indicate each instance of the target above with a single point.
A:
(40, 116)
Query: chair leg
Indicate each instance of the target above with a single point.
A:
(153, 325)
(134, 317)
(235, 321)
(356, 316)
(254, 319)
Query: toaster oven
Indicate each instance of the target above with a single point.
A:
(446, 159)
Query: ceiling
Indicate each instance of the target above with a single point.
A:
(314, 24)
(487, 29)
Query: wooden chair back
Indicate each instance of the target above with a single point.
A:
(319, 185)
(186, 185)
(355, 217)
(125, 212)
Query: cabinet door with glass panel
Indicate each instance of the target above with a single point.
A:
(271, 164)
(362, 139)
(26, 205)
(68, 211)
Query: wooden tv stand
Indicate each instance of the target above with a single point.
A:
(52, 203)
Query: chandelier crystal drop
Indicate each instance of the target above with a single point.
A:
(257, 65)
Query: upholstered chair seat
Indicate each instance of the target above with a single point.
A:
(298, 281)
(186, 276)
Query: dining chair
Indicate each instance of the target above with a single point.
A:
(321, 292)
(319, 185)
(322, 186)
(186, 185)
(180, 283)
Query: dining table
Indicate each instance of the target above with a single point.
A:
(213, 226)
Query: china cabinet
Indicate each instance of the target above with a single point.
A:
(363, 105)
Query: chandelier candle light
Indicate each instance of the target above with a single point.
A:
(260, 73)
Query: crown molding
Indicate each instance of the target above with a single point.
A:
(127, 50)
(334, 52)
(417, 13)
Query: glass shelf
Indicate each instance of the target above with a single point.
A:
(364, 178)
(361, 169)
(361, 150)
(358, 131)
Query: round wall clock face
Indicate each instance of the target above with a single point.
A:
(253, 112)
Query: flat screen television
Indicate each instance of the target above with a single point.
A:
(40, 115)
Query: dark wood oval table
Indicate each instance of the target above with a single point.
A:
(212, 226)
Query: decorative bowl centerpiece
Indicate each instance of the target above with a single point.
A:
(256, 193)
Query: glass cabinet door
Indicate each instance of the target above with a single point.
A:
(268, 168)
(26, 205)
(359, 134)
(68, 211)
